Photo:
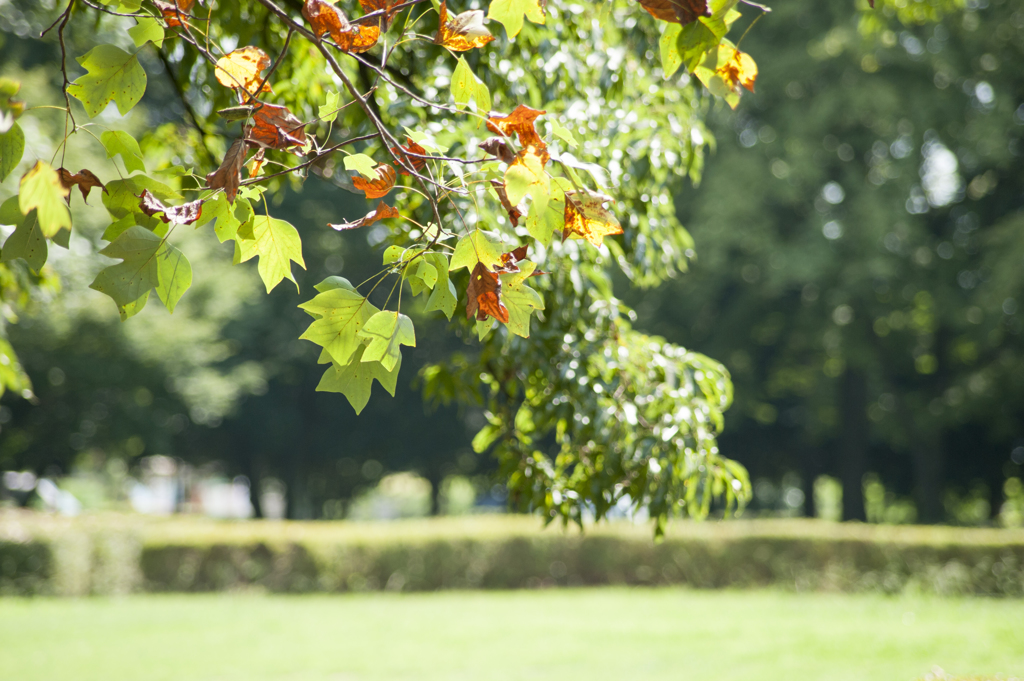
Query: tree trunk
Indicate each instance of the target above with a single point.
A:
(853, 405)
(435, 480)
(927, 454)
(808, 474)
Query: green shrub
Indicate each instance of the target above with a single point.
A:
(104, 555)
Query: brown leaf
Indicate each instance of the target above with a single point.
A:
(240, 69)
(522, 123)
(375, 189)
(462, 33)
(514, 212)
(382, 212)
(496, 146)
(85, 181)
(380, 6)
(326, 18)
(412, 148)
(275, 127)
(508, 261)
(184, 214)
(171, 11)
(677, 11)
(484, 295)
(229, 174)
(587, 218)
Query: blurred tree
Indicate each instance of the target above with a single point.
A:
(861, 285)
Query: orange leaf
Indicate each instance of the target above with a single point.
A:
(521, 122)
(229, 174)
(171, 11)
(184, 214)
(382, 212)
(275, 127)
(375, 189)
(677, 11)
(326, 18)
(587, 218)
(380, 6)
(484, 295)
(85, 181)
(413, 148)
(241, 69)
(739, 68)
(462, 33)
(508, 260)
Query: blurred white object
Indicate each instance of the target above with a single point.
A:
(57, 499)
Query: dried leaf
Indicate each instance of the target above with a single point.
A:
(484, 295)
(325, 18)
(275, 127)
(514, 212)
(677, 11)
(184, 214)
(384, 6)
(464, 32)
(172, 10)
(229, 174)
(375, 189)
(241, 69)
(382, 212)
(587, 218)
(522, 123)
(412, 148)
(496, 146)
(85, 180)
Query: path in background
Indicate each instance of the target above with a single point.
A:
(612, 634)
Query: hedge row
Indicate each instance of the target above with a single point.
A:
(118, 555)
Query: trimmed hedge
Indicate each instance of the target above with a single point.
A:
(113, 555)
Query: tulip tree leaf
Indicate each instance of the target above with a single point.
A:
(340, 314)
(42, 190)
(387, 331)
(112, 75)
(355, 379)
(277, 244)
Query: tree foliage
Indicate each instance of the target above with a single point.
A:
(513, 158)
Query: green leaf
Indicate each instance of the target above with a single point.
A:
(118, 227)
(328, 112)
(444, 297)
(148, 262)
(27, 242)
(119, 142)
(355, 379)
(387, 331)
(671, 60)
(421, 275)
(483, 328)
(332, 283)
(511, 12)
(520, 300)
(12, 147)
(463, 83)
(695, 39)
(228, 217)
(543, 222)
(340, 315)
(473, 248)
(393, 254)
(113, 75)
(277, 244)
(147, 30)
(527, 176)
(563, 133)
(362, 164)
(41, 189)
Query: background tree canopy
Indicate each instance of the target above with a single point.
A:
(823, 280)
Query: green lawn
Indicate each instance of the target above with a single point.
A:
(594, 634)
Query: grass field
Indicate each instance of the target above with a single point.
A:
(593, 634)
